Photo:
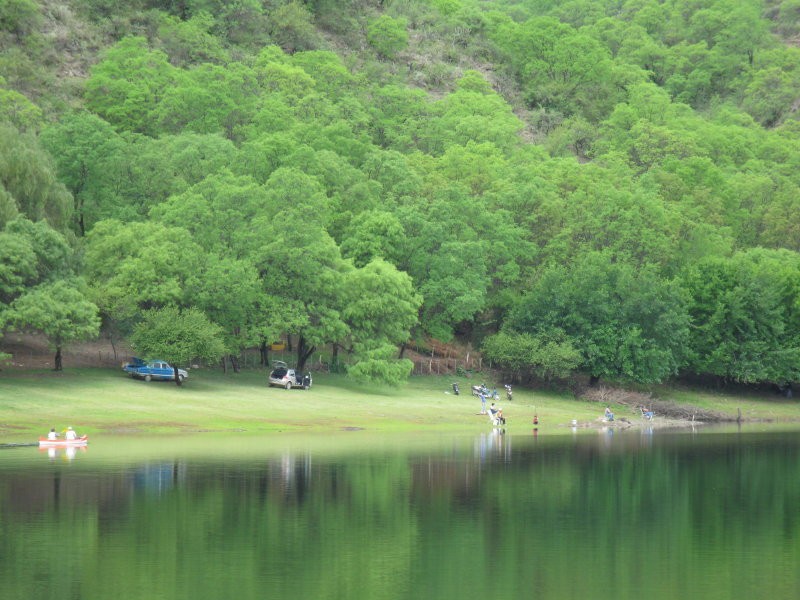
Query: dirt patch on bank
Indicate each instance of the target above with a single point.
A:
(665, 413)
(32, 351)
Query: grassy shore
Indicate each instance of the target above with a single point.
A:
(108, 402)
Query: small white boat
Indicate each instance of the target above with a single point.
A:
(63, 443)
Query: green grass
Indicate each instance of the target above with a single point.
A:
(107, 401)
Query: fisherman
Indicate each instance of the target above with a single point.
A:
(497, 414)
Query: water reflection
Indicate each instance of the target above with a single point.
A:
(657, 515)
(158, 478)
(67, 453)
(494, 444)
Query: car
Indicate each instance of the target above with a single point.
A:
(159, 370)
(282, 376)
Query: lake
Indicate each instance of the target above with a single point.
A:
(597, 515)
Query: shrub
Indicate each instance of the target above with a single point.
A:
(387, 35)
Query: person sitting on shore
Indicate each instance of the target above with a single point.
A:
(647, 414)
(496, 413)
(609, 416)
(52, 435)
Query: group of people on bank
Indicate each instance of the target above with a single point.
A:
(646, 414)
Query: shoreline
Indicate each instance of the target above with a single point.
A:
(104, 401)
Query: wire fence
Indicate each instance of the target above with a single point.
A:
(446, 366)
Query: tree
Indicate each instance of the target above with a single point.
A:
(745, 316)
(126, 86)
(220, 212)
(455, 248)
(627, 323)
(20, 17)
(60, 311)
(139, 266)
(378, 363)
(89, 156)
(387, 35)
(301, 264)
(770, 94)
(17, 110)
(380, 309)
(156, 169)
(372, 234)
(27, 177)
(178, 336)
(290, 26)
(53, 256)
(229, 293)
(471, 115)
(208, 99)
(328, 71)
(241, 22)
(522, 355)
(559, 68)
(190, 41)
(17, 265)
(36, 258)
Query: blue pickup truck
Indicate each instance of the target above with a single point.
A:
(152, 369)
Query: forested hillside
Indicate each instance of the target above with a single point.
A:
(608, 187)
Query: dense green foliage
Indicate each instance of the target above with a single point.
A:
(616, 179)
(178, 336)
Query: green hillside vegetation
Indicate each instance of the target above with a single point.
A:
(606, 187)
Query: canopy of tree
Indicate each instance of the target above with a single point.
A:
(596, 186)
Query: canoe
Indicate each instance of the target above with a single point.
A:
(62, 443)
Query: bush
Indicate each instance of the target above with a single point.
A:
(524, 355)
(387, 35)
(20, 17)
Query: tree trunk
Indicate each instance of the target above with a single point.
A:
(58, 366)
(79, 202)
(289, 342)
(235, 363)
(402, 350)
(177, 377)
(335, 358)
(304, 352)
(224, 363)
(263, 350)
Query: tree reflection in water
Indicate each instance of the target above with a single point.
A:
(473, 516)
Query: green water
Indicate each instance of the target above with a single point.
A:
(710, 515)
